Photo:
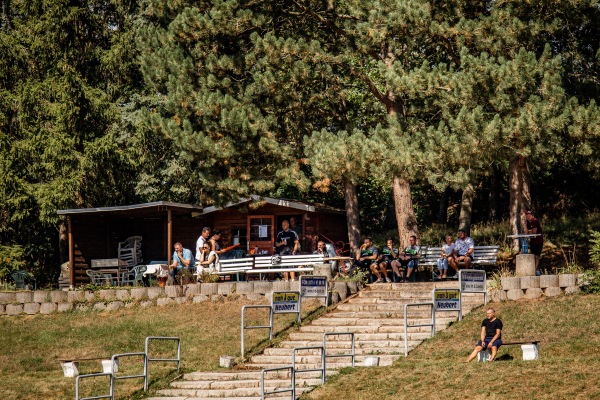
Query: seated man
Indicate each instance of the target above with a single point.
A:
(182, 258)
(320, 248)
(365, 257)
(463, 250)
(407, 260)
(388, 254)
(491, 335)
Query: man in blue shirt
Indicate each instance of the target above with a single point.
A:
(182, 258)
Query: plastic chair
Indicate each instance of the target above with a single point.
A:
(130, 250)
(133, 276)
(99, 279)
(19, 278)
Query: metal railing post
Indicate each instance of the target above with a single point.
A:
(406, 326)
(115, 378)
(80, 377)
(148, 359)
(322, 369)
(325, 355)
(243, 327)
(291, 389)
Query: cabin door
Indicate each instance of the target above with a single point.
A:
(261, 233)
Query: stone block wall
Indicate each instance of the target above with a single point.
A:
(533, 287)
(46, 302)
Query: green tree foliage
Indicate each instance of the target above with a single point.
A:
(65, 68)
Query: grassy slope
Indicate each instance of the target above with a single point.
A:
(32, 345)
(569, 331)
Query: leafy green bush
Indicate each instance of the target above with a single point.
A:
(595, 247)
(591, 279)
(11, 259)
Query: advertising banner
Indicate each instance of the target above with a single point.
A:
(446, 299)
(285, 302)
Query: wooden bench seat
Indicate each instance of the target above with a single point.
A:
(528, 347)
(70, 366)
(482, 256)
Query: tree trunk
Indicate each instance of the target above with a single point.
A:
(520, 198)
(63, 242)
(352, 215)
(466, 208)
(442, 216)
(493, 196)
(405, 213)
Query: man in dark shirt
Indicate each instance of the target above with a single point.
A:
(532, 226)
(388, 254)
(491, 335)
(286, 243)
(367, 256)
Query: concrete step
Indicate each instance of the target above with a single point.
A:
(386, 346)
(367, 329)
(309, 359)
(245, 375)
(359, 351)
(414, 334)
(388, 359)
(238, 384)
(190, 394)
(334, 320)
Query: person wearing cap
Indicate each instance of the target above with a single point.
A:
(532, 226)
(463, 250)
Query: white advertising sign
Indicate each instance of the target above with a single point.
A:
(472, 281)
(313, 286)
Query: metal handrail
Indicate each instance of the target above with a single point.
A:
(325, 355)
(406, 326)
(108, 396)
(114, 377)
(322, 369)
(291, 389)
(270, 326)
(148, 359)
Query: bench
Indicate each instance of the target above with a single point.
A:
(482, 256)
(529, 348)
(232, 266)
(71, 366)
(289, 263)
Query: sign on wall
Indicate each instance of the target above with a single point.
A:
(472, 281)
(446, 299)
(285, 302)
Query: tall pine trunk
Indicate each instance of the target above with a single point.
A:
(63, 242)
(352, 215)
(442, 216)
(520, 195)
(466, 208)
(493, 196)
(405, 213)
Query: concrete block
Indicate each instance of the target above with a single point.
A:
(244, 287)
(2, 309)
(107, 294)
(89, 296)
(164, 301)
(49, 308)
(322, 270)
(155, 292)
(191, 290)
(572, 290)
(352, 287)
(75, 295)
(209, 288)
(333, 297)
(255, 297)
(41, 296)
(525, 265)
(510, 282)
(294, 286)
(14, 309)
(200, 298)
(281, 286)
(533, 293)
(226, 361)
(139, 293)
(514, 294)
(552, 291)
(226, 288)
(58, 296)
(173, 291)
(122, 294)
(99, 306)
(547, 281)
(497, 296)
(371, 361)
(83, 307)
(24, 297)
(146, 304)
(7, 297)
(566, 280)
(581, 280)
(342, 289)
(114, 305)
(180, 300)
(63, 307)
(216, 298)
(130, 305)
(31, 308)
(529, 282)
(263, 287)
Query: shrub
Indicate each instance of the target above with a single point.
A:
(11, 259)
(595, 247)
(591, 279)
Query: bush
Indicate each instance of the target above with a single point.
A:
(591, 279)
(11, 259)
(595, 247)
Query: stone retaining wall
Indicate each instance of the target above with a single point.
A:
(46, 302)
(533, 287)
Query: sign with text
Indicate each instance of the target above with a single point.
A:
(446, 299)
(313, 286)
(285, 302)
(472, 281)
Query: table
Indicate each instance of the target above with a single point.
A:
(111, 271)
(154, 269)
(524, 240)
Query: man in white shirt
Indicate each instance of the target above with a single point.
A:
(201, 240)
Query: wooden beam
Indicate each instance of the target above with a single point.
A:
(169, 235)
(71, 254)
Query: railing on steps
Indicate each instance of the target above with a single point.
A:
(291, 389)
(82, 377)
(406, 325)
(148, 359)
(270, 326)
(325, 355)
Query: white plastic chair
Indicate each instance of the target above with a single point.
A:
(130, 251)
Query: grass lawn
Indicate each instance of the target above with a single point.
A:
(568, 366)
(33, 345)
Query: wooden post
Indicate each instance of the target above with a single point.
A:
(169, 235)
(71, 254)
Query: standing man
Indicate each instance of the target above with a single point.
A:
(463, 250)
(182, 258)
(532, 226)
(201, 240)
(491, 335)
(286, 243)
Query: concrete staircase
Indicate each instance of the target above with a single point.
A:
(375, 316)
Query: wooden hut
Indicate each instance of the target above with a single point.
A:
(253, 222)
(94, 233)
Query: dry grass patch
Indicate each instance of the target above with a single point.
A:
(567, 327)
(33, 345)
